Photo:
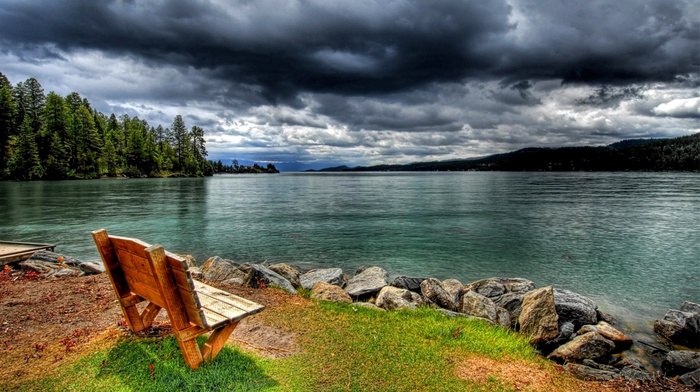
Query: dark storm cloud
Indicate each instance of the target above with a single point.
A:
(375, 80)
(364, 48)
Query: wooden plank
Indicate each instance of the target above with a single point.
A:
(183, 280)
(213, 320)
(228, 298)
(216, 341)
(130, 260)
(131, 245)
(149, 294)
(176, 262)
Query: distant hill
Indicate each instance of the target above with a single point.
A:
(678, 154)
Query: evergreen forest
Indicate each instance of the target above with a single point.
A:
(47, 136)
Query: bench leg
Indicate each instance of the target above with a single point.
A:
(217, 340)
(190, 352)
(133, 318)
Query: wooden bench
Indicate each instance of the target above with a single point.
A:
(142, 272)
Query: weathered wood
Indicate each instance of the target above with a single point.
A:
(12, 252)
(116, 276)
(139, 271)
(217, 340)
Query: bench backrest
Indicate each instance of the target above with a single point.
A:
(130, 265)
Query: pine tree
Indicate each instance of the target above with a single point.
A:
(181, 143)
(24, 161)
(7, 115)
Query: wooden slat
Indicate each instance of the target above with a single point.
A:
(213, 319)
(130, 260)
(184, 280)
(228, 298)
(133, 275)
(149, 294)
(192, 308)
(176, 262)
(131, 245)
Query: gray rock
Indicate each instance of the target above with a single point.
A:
(392, 298)
(49, 269)
(587, 346)
(503, 317)
(575, 308)
(538, 317)
(512, 302)
(588, 373)
(680, 327)
(621, 340)
(690, 307)
(367, 282)
(51, 264)
(90, 268)
(494, 287)
(433, 291)
(691, 379)
(450, 313)
(322, 291)
(566, 331)
(477, 305)
(408, 283)
(453, 287)
(634, 374)
(487, 287)
(288, 272)
(327, 275)
(680, 362)
(261, 275)
(599, 366)
(216, 269)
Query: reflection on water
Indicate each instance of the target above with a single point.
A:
(631, 241)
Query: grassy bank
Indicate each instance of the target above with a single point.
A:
(341, 348)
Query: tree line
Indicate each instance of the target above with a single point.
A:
(676, 154)
(47, 136)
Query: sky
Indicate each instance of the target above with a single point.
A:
(362, 82)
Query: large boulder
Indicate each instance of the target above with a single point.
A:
(322, 291)
(575, 308)
(261, 276)
(327, 275)
(591, 345)
(680, 362)
(538, 317)
(512, 302)
(621, 340)
(681, 326)
(477, 305)
(288, 272)
(368, 281)
(392, 298)
(494, 287)
(453, 287)
(433, 291)
(587, 373)
(216, 269)
(408, 283)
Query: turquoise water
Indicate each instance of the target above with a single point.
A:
(631, 241)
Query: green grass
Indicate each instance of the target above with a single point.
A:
(343, 348)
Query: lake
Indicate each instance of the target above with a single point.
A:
(630, 241)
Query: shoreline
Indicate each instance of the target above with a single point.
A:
(510, 303)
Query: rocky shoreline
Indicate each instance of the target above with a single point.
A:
(564, 326)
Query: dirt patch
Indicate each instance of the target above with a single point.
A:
(45, 323)
(523, 376)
